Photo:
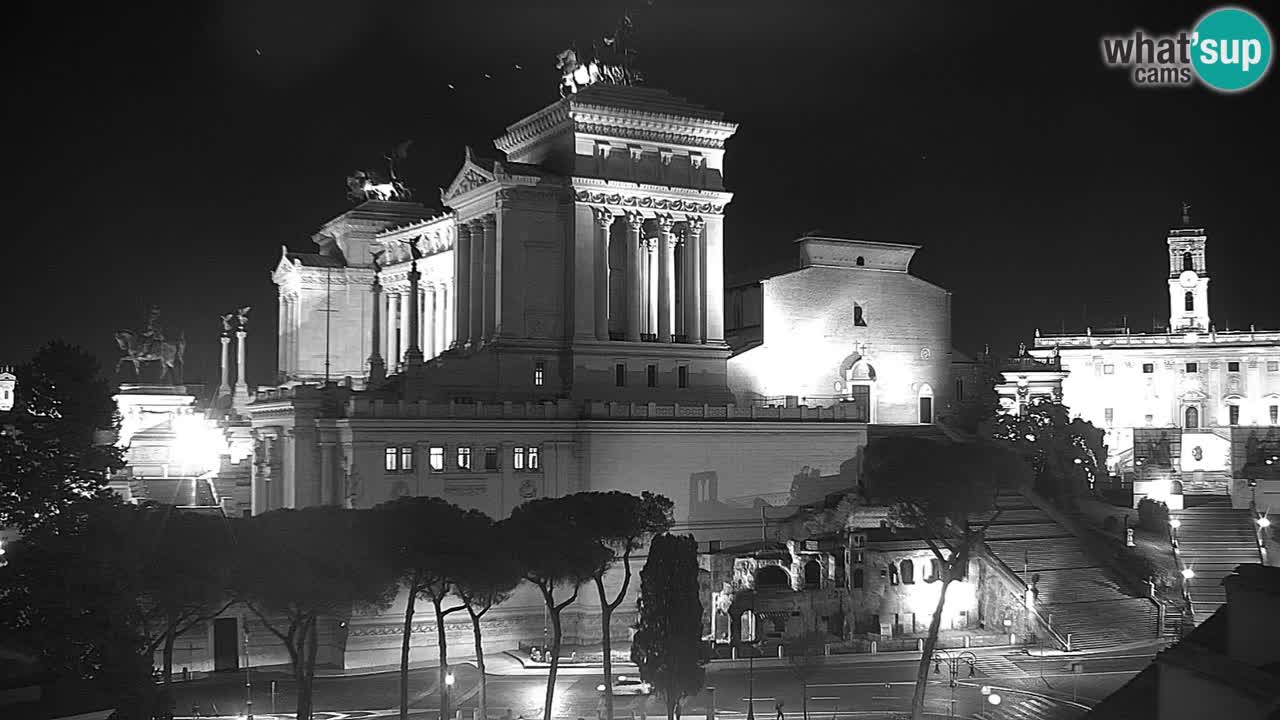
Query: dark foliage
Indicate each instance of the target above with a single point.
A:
(1153, 515)
(668, 642)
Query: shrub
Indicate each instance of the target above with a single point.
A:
(1153, 515)
(1111, 524)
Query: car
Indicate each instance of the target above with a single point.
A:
(628, 685)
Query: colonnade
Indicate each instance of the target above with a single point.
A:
(434, 331)
(475, 268)
(655, 287)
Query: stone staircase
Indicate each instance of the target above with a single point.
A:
(1213, 540)
(1077, 594)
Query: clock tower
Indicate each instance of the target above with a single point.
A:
(1188, 277)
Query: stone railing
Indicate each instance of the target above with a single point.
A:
(596, 410)
(1140, 339)
(558, 410)
(590, 410)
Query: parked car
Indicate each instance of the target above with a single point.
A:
(628, 685)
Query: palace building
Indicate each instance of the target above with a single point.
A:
(559, 326)
(1189, 409)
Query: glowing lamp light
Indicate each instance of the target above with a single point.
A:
(1263, 522)
(600, 687)
(1175, 523)
(448, 679)
(1031, 438)
(994, 698)
(1188, 573)
(986, 690)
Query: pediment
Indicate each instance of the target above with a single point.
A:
(472, 175)
(285, 267)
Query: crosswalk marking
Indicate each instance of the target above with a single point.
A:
(999, 666)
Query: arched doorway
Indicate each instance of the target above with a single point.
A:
(860, 383)
(812, 575)
(772, 577)
(1192, 418)
(925, 400)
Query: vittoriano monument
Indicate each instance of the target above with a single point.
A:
(155, 360)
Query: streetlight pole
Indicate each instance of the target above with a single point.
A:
(953, 670)
(448, 686)
(248, 680)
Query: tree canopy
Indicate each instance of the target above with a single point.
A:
(668, 642)
(1067, 455)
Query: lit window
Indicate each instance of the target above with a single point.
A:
(437, 459)
(1233, 366)
(539, 368)
(651, 375)
(620, 375)
(682, 376)
(534, 463)
(1109, 414)
(392, 459)
(1108, 369)
(464, 458)
(1233, 414)
(406, 459)
(1193, 367)
(1148, 368)
(517, 459)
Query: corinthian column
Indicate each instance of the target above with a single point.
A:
(242, 386)
(225, 387)
(634, 223)
(377, 368)
(476, 303)
(693, 258)
(413, 355)
(491, 292)
(604, 221)
(651, 286)
(462, 280)
(666, 277)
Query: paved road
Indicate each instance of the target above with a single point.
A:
(1031, 688)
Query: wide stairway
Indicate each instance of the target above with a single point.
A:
(1214, 538)
(1076, 593)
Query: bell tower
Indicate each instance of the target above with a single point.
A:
(1188, 277)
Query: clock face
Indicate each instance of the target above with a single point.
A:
(1188, 278)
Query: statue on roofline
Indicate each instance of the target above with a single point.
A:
(365, 185)
(612, 61)
(149, 347)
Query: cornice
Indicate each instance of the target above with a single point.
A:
(658, 198)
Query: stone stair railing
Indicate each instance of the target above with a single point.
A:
(1040, 620)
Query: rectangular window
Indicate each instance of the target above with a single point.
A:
(860, 403)
(437, 459)
(539, 369)
(682, 376)
(620, 375)
(1148, 368)
(1233, 366)
(517, 459)
(1193, 367)
(1233, 414)
(406, 459)
(1273, 366)
(959, 390)
(1109, 414)
(1149, 419)
(491, 458)
(651, 375)
(464, 458)
(1108, 369)
(392, 460)
(534, 463)
(1275, 414)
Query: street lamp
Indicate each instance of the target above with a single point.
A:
(1264, 522)
(444, 696)
(1188, 573)
(953, 670)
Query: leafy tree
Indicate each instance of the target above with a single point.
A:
(621, 522)
(975, 413)
(298, 566)
(1067, 455)
(668, 643)
(51, 454)
(185, 575)
(423, 537)
(935, 489)
(555, 552)
(487, 580)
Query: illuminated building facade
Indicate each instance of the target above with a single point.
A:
(1185, 410)
(561, 328)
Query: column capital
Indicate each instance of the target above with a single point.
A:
(695, 223)
(635, 220)
(463, 229)
(488, 221)
(604, 217)
(666, 223)
(242, 334)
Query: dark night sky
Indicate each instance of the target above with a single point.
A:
(157, 157)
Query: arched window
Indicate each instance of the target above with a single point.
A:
(858, 319)
(925, 399)
(1193, 418)
(771, 576)
(908, 572)
(1188, 263)
(859, 578)
(812, 574)
(934, 572)
(860, 261)
(893, 574)
(1189, 301)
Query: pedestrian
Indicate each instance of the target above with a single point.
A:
(195, 710)
(781, 715)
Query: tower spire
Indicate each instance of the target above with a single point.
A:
(1186, 214)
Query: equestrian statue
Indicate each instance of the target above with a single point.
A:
(149, 346)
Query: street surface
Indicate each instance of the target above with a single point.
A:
(1031, 688)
